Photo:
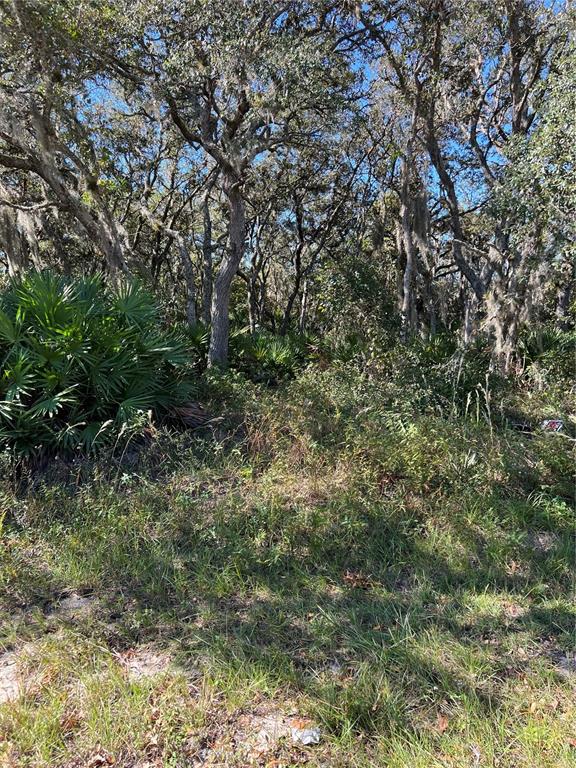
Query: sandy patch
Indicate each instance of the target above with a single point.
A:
(141, 663)
(74, 605)
(10, 684)
(256, 737)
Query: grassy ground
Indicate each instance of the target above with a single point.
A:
(325, 559)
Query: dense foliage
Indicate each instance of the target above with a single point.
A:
(81, 363)
(388, 168)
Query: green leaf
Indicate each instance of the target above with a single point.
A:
(51, 405)
(8, 330)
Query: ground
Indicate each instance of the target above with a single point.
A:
(395, 588)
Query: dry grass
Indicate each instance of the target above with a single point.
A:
(404, 585)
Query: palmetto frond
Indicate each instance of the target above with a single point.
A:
(49, 406)
(134, 305)
(80, 362)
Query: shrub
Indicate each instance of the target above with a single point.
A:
(81, 363)
(265, 357)
(551, 350)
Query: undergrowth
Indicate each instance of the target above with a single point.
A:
(82, 365)
(400, 577)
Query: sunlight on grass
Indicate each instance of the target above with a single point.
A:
(400, 599)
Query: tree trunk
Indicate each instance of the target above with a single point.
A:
(207, 259)
(218, 350)
(303, 307)
(105, 232)
(469, 314)
(447, 182)
(112, 247)
(285, 324)
(400, 265)
(12, 243)
(563, 299)
(252, 300)
(190, 283)
(298, 274)
(407, 305)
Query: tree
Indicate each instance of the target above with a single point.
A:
(45, 130)
(330, 155)
(470, 77)
(538, 189)
(239, 80)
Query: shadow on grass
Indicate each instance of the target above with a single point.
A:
(372, 608)
(358, 609)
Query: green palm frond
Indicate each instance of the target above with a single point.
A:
(83, 364)
(49, 406)
(9, 409)
(18, 376)
(133, 304)
(9, 330)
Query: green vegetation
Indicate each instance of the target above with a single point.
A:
(287, 416)
(400, 577)
(82, 364)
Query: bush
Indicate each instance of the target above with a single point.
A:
(268, 358)
(82, 363)
(551, 350)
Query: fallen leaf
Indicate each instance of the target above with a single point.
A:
(441, 723)
(357, 579)
(300, 722)
(70, 721)
(99, 760)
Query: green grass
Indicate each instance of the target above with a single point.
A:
(404, 582)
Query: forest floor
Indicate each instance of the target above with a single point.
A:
(398, 588)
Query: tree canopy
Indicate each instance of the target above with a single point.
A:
(341, 167)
